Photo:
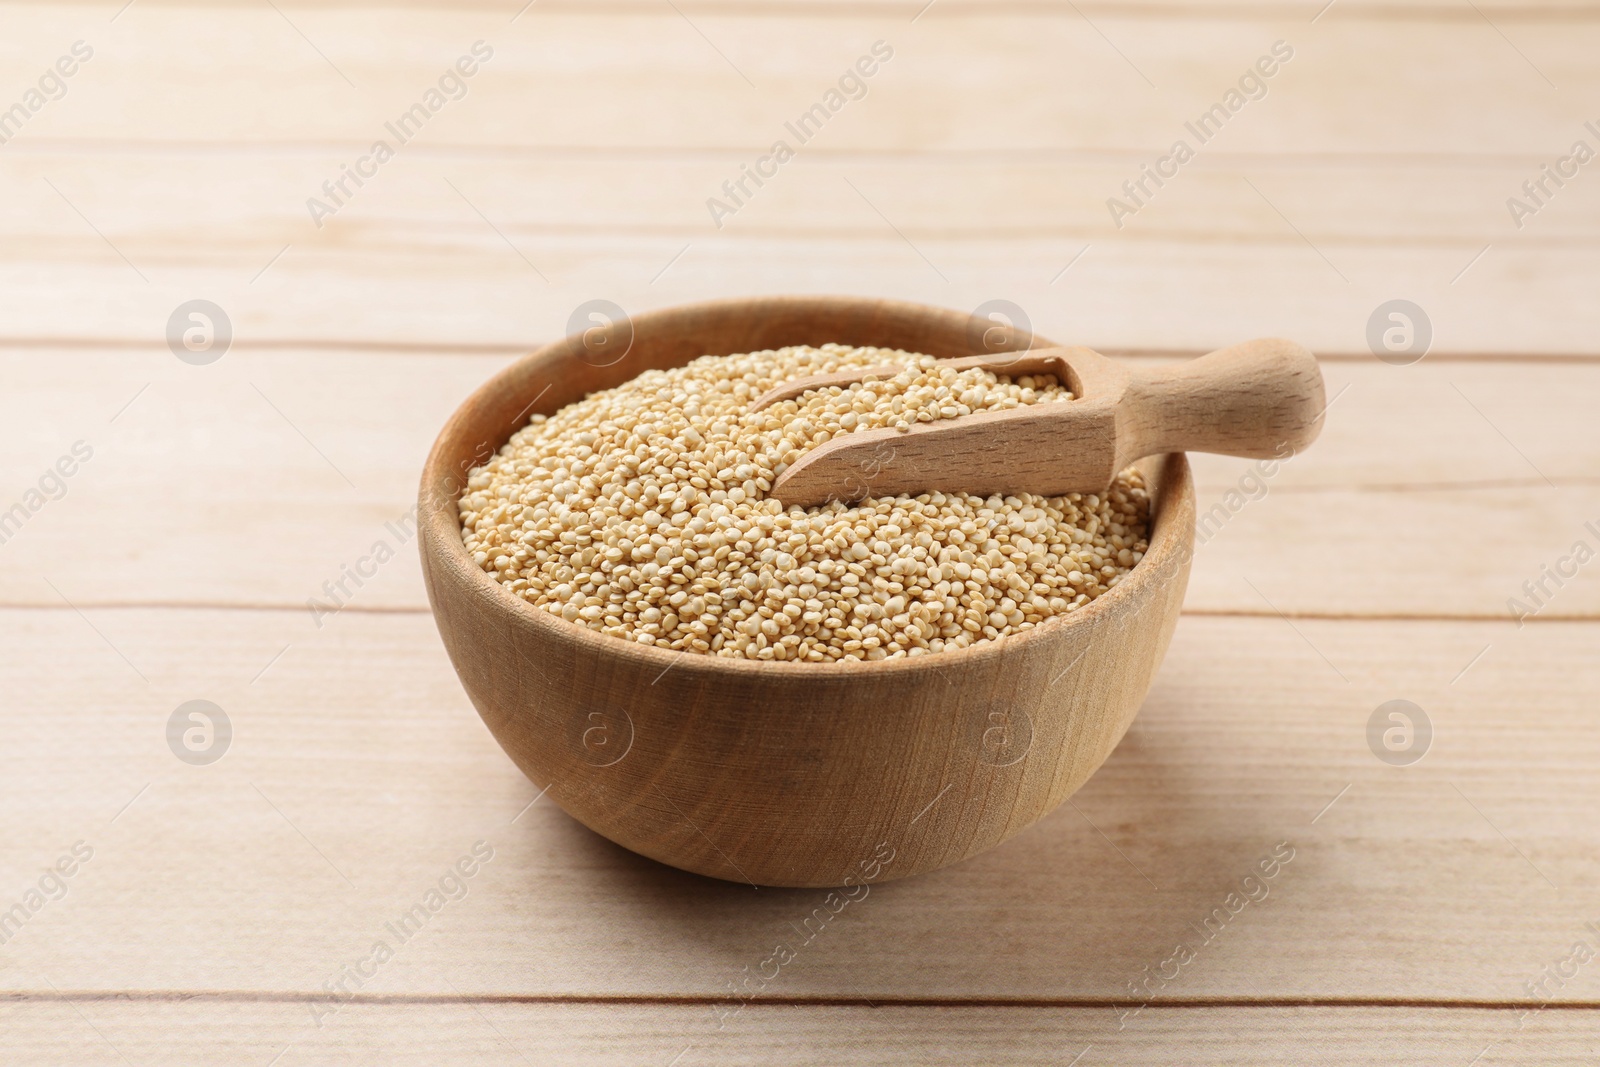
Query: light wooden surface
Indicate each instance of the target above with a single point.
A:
(1377, 566)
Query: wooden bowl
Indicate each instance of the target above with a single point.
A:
(788, 774)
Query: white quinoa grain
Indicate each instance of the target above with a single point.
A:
(642, 512)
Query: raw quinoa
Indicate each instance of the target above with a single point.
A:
(642, 512)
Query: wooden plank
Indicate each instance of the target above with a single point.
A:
(254, 199)
(358, 774)
(1363, 554)
(1159, 295)
(105, 1031)
(608, 191)
(226, 484)
(1499, 10)
(736, 73)
(413, 260)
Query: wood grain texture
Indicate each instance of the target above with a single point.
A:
(357, 755)
(411, 262)
(1339, 190)
(276, 88)
(1208, 263)
(473, 1033)
(978, 166)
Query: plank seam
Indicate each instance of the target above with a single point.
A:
(498, 348)
(1131, 11)
(820, 1000)
(1043, 155)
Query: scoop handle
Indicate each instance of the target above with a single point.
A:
(1261, 399)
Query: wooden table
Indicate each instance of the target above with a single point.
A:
(1428, 908)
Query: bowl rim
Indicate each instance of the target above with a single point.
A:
(440, 512)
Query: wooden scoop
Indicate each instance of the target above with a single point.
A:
(1261, 399)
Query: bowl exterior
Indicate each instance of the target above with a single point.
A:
(777, 773)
